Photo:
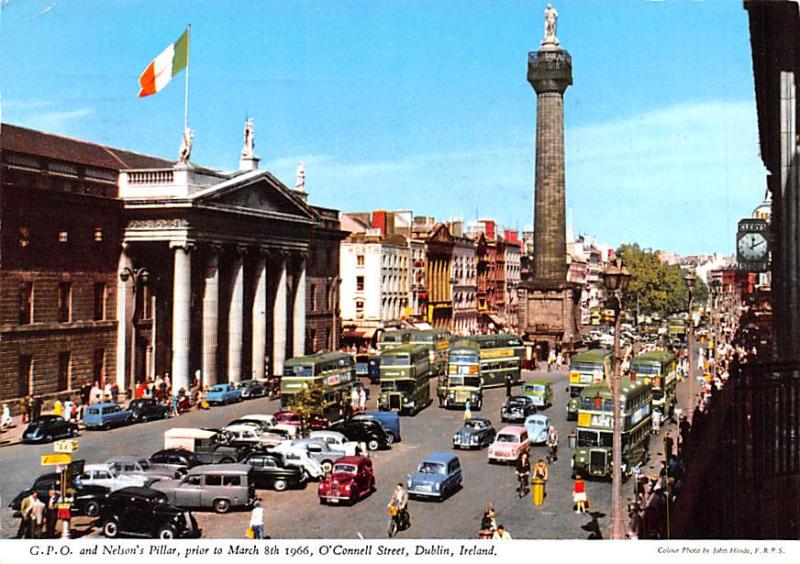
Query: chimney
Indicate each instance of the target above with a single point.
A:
(379, 221)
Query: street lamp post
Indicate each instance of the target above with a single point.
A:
(139, 277)
(690, 279)
(615, 279)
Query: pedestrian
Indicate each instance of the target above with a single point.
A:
(114, 392)
(107, 392)
(5, 419)
(579, 495)
(362, 399)
(37, 518)
(25, 408)
(488, 523)
(669, 444)
(24, 531)
(551, 360)
(508, 385)
(257, 520)
(559, 361)
(51, 514)
(635, 523)
(68, 405)
(86, 393)
(354, 400)
(655, 421)
(58, 408)
(36, 407)
(175, 400)
(467, 411)
(501, 533)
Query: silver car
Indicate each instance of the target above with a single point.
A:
(212, 486)
(142, 466)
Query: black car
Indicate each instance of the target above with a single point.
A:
(367, 431)
(87, 500)
(179, 459)
(270, 471)
(146, 512)
(146, 409)
(253, 389)
(517, 408)
(477, 432)
(47, 428)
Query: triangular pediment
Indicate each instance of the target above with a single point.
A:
(256, 191)
(442, 235)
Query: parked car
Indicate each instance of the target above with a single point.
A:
(270, 471)
(351, 479)
(146, 512)
(477, 432)
(87, 500)
(438, 476)
(537, 426)
(109, 477)
(177, 459)
(540, 390)
(223, 394)
(266, 421)
(106, 415)
(217, 486)
(47, 428)
(253, 389)
(141, 466)
(336, 441)
(299, 456)
(509, 443)
(389, 420)
(291, 418)
(251, 436)
(517, 408)
(147, 409)
(210, 446)
(367, 431)
(316, 449)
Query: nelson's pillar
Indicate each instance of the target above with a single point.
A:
(548, 302)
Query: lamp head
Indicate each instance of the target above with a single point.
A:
(690, 279)
(124, 275)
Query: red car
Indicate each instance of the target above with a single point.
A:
(350, 480)
(291, 418)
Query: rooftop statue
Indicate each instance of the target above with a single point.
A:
(550, 18)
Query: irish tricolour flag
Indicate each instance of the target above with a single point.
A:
(170, 62)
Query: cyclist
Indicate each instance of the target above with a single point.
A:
(400, 501)
(540, 471)
(552, 444)
(523, 473)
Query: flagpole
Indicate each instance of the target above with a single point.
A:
(186, 90)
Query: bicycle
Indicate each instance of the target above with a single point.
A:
(398, 520)
(523, 488)
(552, 454)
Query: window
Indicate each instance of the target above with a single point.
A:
(359, 309)
(24, 237)
(98, 234)
(213, 480)
(64, 370)
(63, 236)
(194, 480)
(313, 297)
(25, 375)
(64, 301)
(100, 301)
(231, 480)
(147, 303)
(25, 303)
(359, 283)
(360, 260)
(99, 367)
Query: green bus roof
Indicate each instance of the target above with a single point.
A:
(399, 333)
(317, 358)
(463, 344)
(427, 335)
(499, 340)
(404, 349)
(604, 391)
(538, 382)
(591, 356)
(662, 357)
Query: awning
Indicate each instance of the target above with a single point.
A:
(359, 334)
(422, 326)
(495, 319)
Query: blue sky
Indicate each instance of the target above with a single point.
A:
(418, 104)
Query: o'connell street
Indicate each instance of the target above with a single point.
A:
(472, 271)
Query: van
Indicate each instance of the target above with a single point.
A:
(207, 445)
(212, 486)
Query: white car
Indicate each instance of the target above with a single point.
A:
(264, 419)
(252, 435)
(298, 456)
(108, 476)
(336, 441)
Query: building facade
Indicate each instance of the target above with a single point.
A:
(465, 288)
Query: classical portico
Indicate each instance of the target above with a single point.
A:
(226, 258)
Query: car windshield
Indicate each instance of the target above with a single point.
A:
(113, 470)
(345, 468)
(535, 422)
(217, 389)
(535, 388)
(473, 425)
(516, 402)
(431, 468)
(507, 438)
(144, 463)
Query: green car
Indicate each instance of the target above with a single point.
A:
(540, 391)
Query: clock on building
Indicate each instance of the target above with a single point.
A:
(752, 245)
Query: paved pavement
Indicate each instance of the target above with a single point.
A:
(297, 513)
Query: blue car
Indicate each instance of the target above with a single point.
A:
(106, 415)
(224, 394)
(438, 476)
(389, 420)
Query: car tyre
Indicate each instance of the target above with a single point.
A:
(279, 485)
(390, 438)
(92, 509)
(373, 445)
(73, 432)
(111, 529)
(167, 532)
(221, 505)
(48, 438)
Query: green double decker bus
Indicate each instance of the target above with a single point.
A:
(393, 338)
(595, 431)
(501, 356)
(463, 379)
(586, 368)
(333, 371)
(405, 379)
(660, 370)
(436, 341)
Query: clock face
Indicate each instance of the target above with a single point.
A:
(752, 246)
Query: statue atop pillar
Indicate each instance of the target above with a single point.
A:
(300, 183)
(249, 139)
(186, 147)
(550, 19)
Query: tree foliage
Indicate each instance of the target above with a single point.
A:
(309, 402)
(660, 287)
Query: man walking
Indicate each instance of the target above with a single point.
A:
(51, 514)
(257, 520)
(24, 531)
(508, 385)
(36, 407)
(37, 517)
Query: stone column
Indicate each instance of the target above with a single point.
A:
(181, 315)
(299, 310)
(124, 303)
(211, 317)
(279, 319)
(236, 320)
(259, 347)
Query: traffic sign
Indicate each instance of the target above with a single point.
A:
(70, 445)
(56, 459)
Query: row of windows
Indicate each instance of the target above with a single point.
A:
(24, 239)
(27, 371)
(27, 296)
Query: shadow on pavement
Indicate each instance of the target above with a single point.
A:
(593, 527)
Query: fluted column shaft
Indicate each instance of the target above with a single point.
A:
(181, 303)
(211, 318)
(299, 311)
(279, 320)
(259, 347)
(236, 320)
